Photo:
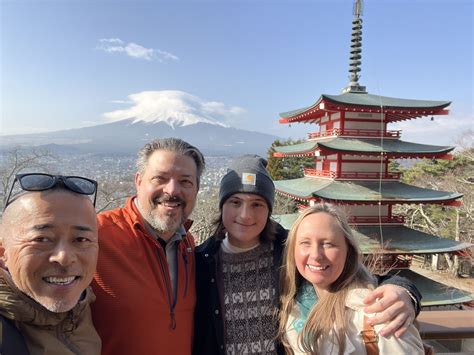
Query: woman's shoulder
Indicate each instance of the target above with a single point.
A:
(355, 297)
(409, 343)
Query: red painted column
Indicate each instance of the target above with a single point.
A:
(339, 165)
(343, 118)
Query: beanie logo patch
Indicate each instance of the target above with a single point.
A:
(249, 179)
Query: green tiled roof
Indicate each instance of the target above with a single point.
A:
(396, 239)
(376, 100)
(375, 145)
(360, 191)
(404, 240)
(286, 220)
(305, 147)
(372, 100)
(367, 145)
(435, 293)
(297, 112)
(303, 187)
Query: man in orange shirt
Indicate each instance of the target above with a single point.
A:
(146, 271)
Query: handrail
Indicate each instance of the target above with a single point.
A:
(319, 173)
(352, 174)
(356, 132)
(446, 324)
(366, 219)
(376, 219)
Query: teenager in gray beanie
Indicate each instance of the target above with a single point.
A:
(241, 258)
(248, 174)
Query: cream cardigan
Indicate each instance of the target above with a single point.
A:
(409, 343)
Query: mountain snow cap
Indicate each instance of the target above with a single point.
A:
(176, 108)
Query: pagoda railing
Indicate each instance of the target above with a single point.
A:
(319, 173)
(356, 133)
(366, 219)
(310, 172)
(301, 207)
(369, 175)
(376, 219)
(454, 325)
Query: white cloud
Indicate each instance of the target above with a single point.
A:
(176, 108)
(163, 56)
(134, 50)
(442, 130)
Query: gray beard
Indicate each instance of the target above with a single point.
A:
(162, 225)
(55, 306)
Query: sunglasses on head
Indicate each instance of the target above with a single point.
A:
(42, 182)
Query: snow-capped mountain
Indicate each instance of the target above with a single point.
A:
(157, 114)
(173, 107)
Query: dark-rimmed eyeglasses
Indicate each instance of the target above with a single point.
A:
(42, 182)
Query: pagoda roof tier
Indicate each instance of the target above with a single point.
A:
(399, 240)
(396, 109)
(361, 192)
(434, 293)
(366, 146)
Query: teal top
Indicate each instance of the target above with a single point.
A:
(305, 300)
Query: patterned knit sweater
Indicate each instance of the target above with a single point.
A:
(249, 301)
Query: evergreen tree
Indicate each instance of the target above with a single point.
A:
(287, 168)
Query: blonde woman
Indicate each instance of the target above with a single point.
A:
(323, 287)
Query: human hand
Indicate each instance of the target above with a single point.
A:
(394, 308)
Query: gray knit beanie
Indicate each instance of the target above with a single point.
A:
(247, 174)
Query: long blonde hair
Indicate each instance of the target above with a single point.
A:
(328, 316)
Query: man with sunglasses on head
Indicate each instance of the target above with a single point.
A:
(50, 246)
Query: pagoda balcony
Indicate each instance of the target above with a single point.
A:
(352, 175)
(371, 133)
(309, 172)
(365, 219)
(301, 207)
(376, 220)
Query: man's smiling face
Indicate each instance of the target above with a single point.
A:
(51, 246)
(166, 191)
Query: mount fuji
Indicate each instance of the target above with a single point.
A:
(157, 114)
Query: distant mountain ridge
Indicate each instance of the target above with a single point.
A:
(129, 135)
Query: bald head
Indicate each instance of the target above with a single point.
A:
(25, 204)
(51, 246)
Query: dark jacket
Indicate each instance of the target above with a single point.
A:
(208, 322)
(12, 341)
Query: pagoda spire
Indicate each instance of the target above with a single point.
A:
(356, 50)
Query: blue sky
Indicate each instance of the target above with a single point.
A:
(68, 64)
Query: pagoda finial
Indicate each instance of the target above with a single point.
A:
(356, 49)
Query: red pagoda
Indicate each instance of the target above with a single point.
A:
(352, 147)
